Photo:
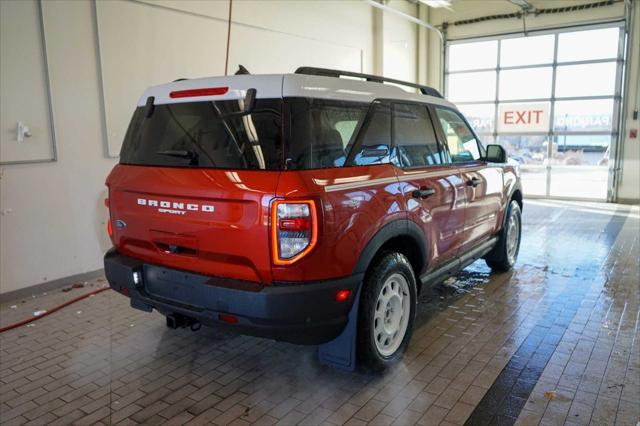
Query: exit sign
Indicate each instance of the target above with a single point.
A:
(523, 118)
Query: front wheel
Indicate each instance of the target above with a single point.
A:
(504, 254)
(387, 312)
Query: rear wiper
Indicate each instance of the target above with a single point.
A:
(179, 153)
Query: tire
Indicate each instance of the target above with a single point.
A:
(505, 253)
(387, 304)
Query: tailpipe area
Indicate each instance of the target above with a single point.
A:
(175, 321)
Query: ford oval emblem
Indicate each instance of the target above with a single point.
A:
(120, 224)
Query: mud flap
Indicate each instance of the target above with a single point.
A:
(341, 351)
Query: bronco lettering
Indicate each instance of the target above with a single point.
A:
(173, 207)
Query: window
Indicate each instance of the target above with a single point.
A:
(414, 137)
(374, 143)
(481, 116)
(194, 134)
(321, 131)
(472, 86)
(586, 45)
(473, 56)
(527, 51)
(550, 98)
(526, 83)
(584, 115)
(586, 80)
(462, 144)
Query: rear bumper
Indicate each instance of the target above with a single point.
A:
(304, 313)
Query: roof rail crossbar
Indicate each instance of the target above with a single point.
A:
(326, 72)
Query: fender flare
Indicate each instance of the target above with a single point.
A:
(396, 228)
(516, 187)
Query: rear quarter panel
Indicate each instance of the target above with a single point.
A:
(353, 203)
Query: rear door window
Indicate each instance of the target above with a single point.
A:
(322, 131)
(414, 137)
(206, 134)
(374, 141)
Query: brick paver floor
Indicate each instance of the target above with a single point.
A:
(553, 342)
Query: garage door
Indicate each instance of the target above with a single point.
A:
(551, 99)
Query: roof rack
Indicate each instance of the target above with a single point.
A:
(325, 72)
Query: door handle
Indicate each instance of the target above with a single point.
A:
(423, 193)
(474, 182)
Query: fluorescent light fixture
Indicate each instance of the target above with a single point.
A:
(436, 3)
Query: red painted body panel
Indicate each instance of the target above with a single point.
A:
(349, 217)
(231, 241)
(441, 216)
(353, 203)
(483, 202)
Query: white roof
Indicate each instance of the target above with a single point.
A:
(286, 85)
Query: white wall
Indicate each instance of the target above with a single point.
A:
(629, 186)
(53, 221)
(400, 43)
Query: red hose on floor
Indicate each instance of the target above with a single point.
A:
(50, 311)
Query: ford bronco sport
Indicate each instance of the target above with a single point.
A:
(269, 203)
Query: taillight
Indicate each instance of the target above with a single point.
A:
(109, 224)
(294, 230)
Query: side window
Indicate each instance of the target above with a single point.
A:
(375, 141)
(463, 146)
(415, 140)
(346, 129)
(321, 131)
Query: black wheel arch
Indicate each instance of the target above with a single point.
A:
(401, 235)
(514, 195)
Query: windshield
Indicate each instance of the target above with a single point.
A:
(206, 134)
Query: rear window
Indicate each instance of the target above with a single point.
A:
(202, 134)
(314, 133)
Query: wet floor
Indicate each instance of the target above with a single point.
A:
(553, 342)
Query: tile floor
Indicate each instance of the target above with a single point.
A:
(556, 341)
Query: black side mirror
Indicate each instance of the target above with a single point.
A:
(249, 101)
(496, 154)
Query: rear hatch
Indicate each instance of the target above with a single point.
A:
(193, 187)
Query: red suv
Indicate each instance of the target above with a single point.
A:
(271, 203)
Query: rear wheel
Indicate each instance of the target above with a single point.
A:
(505, 253)
(387, 312)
